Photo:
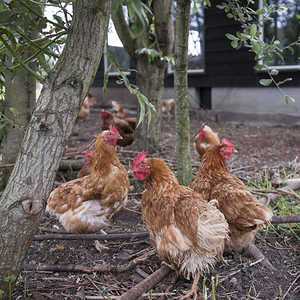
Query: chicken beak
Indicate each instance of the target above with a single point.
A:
(120, 137)
(130, 171)
(235, 151)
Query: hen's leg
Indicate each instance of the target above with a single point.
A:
(194, 290)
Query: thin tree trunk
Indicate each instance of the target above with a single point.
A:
(182, 119)
(23, 201)
(20, 93)
(150, 76)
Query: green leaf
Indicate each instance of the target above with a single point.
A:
(105, 80)
(265, 82)
(14, 112)
(231, 37)
(256, 47)
(253, 30)
(258, 67)
(274, 72)
(234, 44)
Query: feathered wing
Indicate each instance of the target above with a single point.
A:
(240, 206)
(188, 233)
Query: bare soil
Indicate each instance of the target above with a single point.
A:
(262, 152)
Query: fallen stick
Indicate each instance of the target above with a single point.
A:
(237, 271)
(103, 268)
(285, 219)
(258, 255)
(100, 237)
(147, 284)
(271, 197)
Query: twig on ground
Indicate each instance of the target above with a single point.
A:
(290, 287)
(104, 268)
(285, 219)
(146, 284)
(119, 236)
(237, 271)
(240, 168)
(272, 197)
(258, 255)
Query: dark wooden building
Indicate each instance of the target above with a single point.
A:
(226, 85)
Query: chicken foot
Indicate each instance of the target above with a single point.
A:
(194, 290)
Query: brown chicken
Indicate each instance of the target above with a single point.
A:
(87, 168)
(92, 100)
(243, 212)
(205, 138)
(86, 204)
(123, 126)
(118, 110)
(187, 231)
(85, 109)
(168, 106)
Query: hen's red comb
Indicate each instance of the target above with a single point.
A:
(89, 152)
(226, 142)
(102, 111)
(114, 130)
(141, 156)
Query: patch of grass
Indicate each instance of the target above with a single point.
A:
(284, 205)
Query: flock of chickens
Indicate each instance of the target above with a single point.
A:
(190, 227)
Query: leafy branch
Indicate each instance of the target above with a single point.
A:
(250, 36)
(133, 89)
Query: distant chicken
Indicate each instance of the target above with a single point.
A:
(123, 126)
(87, 168)
(92, 100)
(243, 212)
(85, 109)
(86, 204)
(168, 106)
(118, 110)
(205, 138)
(188, 232)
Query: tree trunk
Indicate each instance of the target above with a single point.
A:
(20, 93)
(23, 201)
(150, 80)
(182, 119)
(150, 76)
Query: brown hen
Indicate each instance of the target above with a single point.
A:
(118, 110)
(124, 127)
(87, 168)
(205, 138)
(86, 204)
(187, 232)
(243, 212)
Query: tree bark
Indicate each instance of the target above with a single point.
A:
(20, 93)
(23, 201)
(182, 119)
(150, 75)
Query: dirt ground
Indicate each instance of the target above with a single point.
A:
(261, 150)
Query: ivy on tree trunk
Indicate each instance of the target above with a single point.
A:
(23, 201)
